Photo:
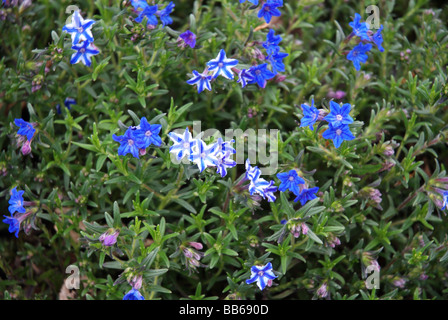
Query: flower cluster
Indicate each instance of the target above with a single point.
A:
(217, 154)
(358, 54)
(293, 182)
(25, 135)
(144, 10)
(17, 210)
(136, 139)
(259, 74)
(82, 39)
(338, 120)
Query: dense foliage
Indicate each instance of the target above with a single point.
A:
(89, 170)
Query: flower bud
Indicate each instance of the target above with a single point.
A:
(109, 238)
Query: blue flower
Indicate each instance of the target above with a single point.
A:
(79, 29)
(310, 115)
(306, 195)
(255, 2)
(165, 14)
(26, 129)
(85, 51)
(139, 4)
(257, 184)
(204, 156)
(251, 172)
(224, 162)
(245, 77)
(290, 180)
(269, 192)
(189, 38)
(150, 13)
(16, 201)
(222, 65)
(360, 29)
(261, 74)
(201, 80)
(67, 103)
(148, 134)
(339, 115)
(338, 134)
(14, 225)
(358, 54)
(183, 144)
(225, 146)
(269, 10)
(272, 42)
(133, 294)
(128, 143)
(276, 61)
(445, 199)
(263, 275)
(377, 38)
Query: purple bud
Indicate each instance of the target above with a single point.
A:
(109, 238)
(322, 292)
(304, 228)
(26, 148)
(136, 282)
(196, 245)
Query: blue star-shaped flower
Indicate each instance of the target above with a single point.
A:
(262, 275)
(310, 115)
(244, 77)
(222, 65)
(165, 14)
(338, 134)
(150, 13)
(272, 42)
(358, 54)
(257, 184)
(377, 38)
(360, 29)
(189, 38)
(261, 74)
(339, 115)
(251, 172)
(255, 2)
(276, 61)
(148, 134)
(201, 80)
(224, 162)
(306, 195)
(183, 144)
(26, 129)
(269, 10)
(79, 29)
(128, 143)
(204, 156)
(290, 181)
(16, 201)
(133, 294)
(85, 51)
